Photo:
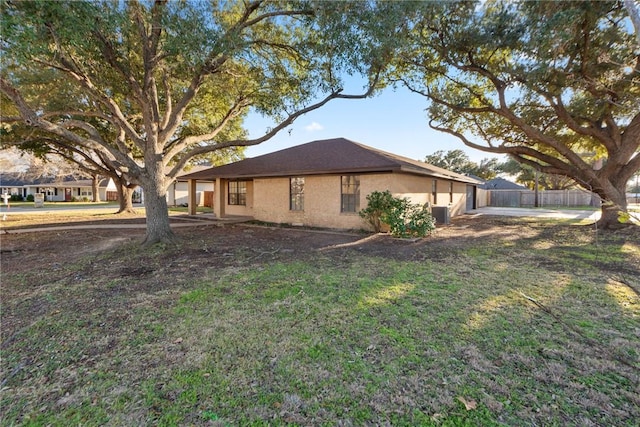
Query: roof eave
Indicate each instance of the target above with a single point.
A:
(350, 171)
(426, 172)
(390, 169)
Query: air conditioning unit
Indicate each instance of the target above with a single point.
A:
(441, 214)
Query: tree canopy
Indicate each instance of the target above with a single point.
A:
(152, 85)
(555, 85)
(458, 161)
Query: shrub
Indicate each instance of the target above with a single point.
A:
(378, 204)
(16, 198)
(409, 220)
(403, 218)
(29, 197)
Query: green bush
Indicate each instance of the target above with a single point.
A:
(16, 198)
(404, 218)
(29, 197)
(378, 204)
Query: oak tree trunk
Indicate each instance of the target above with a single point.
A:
(125, 194)
(155, 202)
(613, 203)
(125, 199)
(157, 212)
(95, 188)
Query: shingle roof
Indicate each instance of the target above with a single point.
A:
(502, 184)
(329, 156)
(10, 180)
(18, 180)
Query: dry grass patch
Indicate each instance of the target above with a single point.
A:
(532, 324)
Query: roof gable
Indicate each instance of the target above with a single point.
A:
(502, 184)
(330, 156)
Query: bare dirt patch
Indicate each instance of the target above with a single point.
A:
(45, 257)
(94, 303)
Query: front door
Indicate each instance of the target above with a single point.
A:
(471, 197)
(67, 195)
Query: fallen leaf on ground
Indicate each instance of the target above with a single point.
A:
(468, 404)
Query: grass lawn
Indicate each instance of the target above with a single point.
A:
(60, 205)
(507, 322)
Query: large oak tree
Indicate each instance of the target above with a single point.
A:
(141, 70)
(556, 85)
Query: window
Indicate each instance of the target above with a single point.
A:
(450, 192)
(434, 191)
(350, 194)
(237, 193)
(296, 194)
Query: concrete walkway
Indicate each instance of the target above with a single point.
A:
(539, 213)
(58, 207)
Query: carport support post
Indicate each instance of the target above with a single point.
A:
(220, 198)
(191, 184)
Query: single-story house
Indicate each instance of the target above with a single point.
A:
(55, 189)
(325, 184)
(11, 184)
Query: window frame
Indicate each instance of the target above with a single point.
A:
(296, 193)
(350, 199)
(238, 195)
(434, 191)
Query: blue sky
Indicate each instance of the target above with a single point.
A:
(395, 121)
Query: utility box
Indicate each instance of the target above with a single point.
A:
(38, 200)
(441, 214)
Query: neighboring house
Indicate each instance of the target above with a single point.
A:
(501, 184)
(325, 184)
(11, 184)
(55, 189)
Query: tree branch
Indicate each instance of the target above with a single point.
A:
(563, 114)
(111, 56)
(188, 141)
(31, 119)
(282, 125)
(92, 131)
(108, 102)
